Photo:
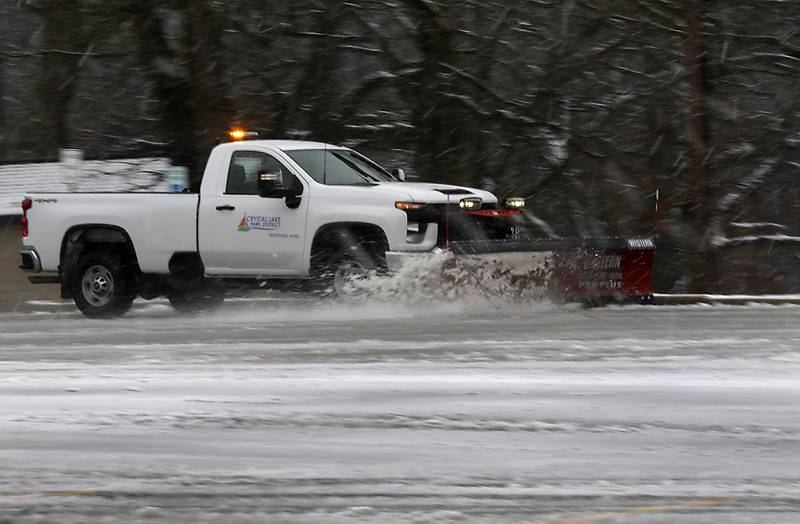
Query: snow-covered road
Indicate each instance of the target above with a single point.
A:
(290, 411)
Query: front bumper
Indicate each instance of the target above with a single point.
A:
(31, 262)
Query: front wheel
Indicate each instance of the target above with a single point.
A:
(103, 285)
(341, 274)
(348, 273)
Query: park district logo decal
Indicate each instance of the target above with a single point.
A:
(259, 222)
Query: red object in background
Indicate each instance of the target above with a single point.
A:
(26, 205)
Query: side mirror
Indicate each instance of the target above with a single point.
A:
(270, 184)
(399, 174)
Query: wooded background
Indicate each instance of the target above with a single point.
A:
(588, 107)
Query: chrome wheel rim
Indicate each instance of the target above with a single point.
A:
(98, 286)
(346, 277)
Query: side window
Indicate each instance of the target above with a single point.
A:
(245, 167)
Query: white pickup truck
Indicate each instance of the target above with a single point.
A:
(276, 213)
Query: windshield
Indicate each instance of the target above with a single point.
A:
(339, 167)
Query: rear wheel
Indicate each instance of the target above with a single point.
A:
(103, 285)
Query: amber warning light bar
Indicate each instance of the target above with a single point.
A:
(237, 135)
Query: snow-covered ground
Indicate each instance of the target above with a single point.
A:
(292, 411)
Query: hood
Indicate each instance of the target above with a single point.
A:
(436, 193)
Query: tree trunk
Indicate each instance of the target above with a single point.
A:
(210, 106)
(61, 55)
(704, 264)
(194, 109)
(170, 87)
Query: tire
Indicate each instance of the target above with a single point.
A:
(103, 284)
(335, 272)
(196, 298)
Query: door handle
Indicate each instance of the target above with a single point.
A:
(226, 207)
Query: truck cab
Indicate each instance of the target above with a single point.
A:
(265, 206)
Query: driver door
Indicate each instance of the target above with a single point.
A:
(251, 235)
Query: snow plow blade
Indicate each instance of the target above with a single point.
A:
(591, 271)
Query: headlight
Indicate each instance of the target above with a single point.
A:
(515, 202)
(405, 206)
(470, 203)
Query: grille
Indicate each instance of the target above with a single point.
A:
(464, 227)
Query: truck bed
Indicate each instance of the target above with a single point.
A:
(159, 224)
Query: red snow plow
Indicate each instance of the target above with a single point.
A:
(591, 271)
(494, 251)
